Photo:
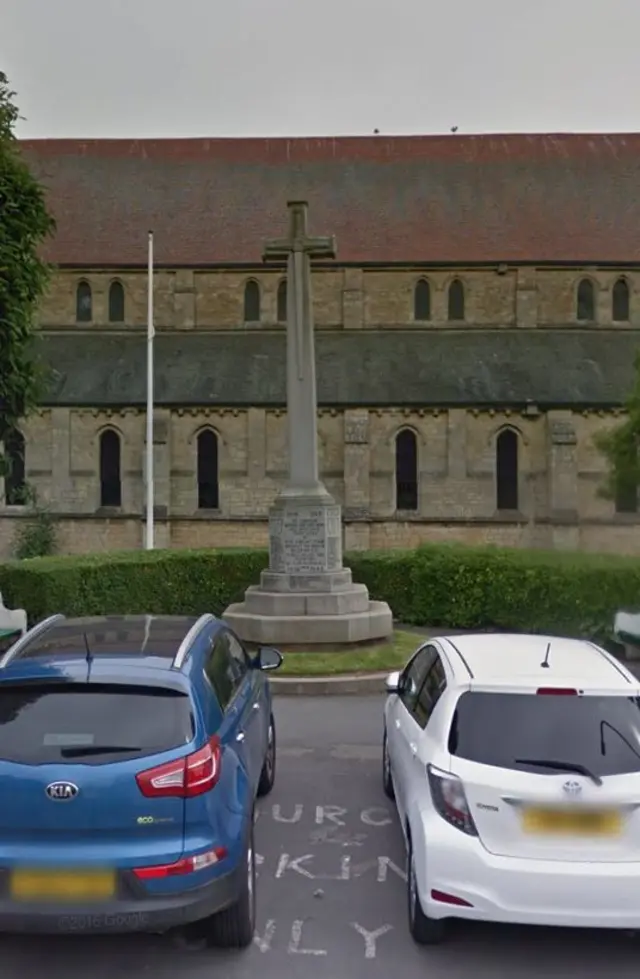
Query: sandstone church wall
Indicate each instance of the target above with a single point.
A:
(559, 473)
(350, 298)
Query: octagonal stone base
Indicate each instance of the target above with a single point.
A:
(338, 629)
(306, 597)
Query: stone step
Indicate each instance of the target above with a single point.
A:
(257, 601)
(311, 630)
(326, 581)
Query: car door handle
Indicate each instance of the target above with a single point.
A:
(256, 706)
(240, 737)
(414, 749)
(398, 724)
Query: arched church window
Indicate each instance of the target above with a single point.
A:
(208, 477)
(456, 301)
(84, 303)
(585, 301)
(422, 301)
(282, 301)
(116, 302)
(252, 302)
(620, 301)
(406, 470)
(15, 484)
(626, 498)
(110, 469)
(507, 474)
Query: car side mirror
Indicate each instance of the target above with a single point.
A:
(393, 682)
(269, 658)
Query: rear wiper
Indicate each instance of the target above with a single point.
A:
(98, 749)
(603, 746)
(560, 766)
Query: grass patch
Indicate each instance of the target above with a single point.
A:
(360, 659)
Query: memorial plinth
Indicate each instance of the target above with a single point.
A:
(306, 597)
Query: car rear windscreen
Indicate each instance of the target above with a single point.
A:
(90, 723)
(602, 734)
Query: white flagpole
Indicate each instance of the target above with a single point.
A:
(150, 335)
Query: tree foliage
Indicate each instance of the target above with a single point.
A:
(37, 533)
(620, 448)
(25, 223)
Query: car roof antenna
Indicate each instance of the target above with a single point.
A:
(89, 656)
(545, 662)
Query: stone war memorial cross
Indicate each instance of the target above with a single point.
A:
(306, 597)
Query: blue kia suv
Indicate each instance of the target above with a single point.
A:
(132, 749)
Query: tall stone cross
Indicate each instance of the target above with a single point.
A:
(302, 401)
(306, 597)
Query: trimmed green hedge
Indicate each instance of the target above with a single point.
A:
(456, 587)
(131, 582)
(444, 586)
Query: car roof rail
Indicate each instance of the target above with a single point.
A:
(185, 646)
(24, 641)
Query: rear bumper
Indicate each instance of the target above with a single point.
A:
(125, 915)
(522, 891)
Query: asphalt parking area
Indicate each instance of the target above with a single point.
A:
(331, 889)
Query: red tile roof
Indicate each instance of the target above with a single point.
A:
(554, 198)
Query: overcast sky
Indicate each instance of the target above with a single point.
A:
(321, 67)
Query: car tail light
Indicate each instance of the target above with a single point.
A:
(558, 691)
(445, 898)
(184, 777)
(450, 801)
(187, 865)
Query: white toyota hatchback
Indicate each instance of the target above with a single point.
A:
(514, 761)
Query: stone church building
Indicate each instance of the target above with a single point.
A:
(477, 328)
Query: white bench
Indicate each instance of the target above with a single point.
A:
(626, 630)
(12, 620)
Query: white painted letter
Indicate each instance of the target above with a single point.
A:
(264, 942)
(279, 818)
(285, 862)
(330, 813)
(384, 865)
(296, 938)
(344, 874)
(370, 938)
(367, 816)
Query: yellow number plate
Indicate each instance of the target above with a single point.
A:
(44, 885)
(568, 822)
